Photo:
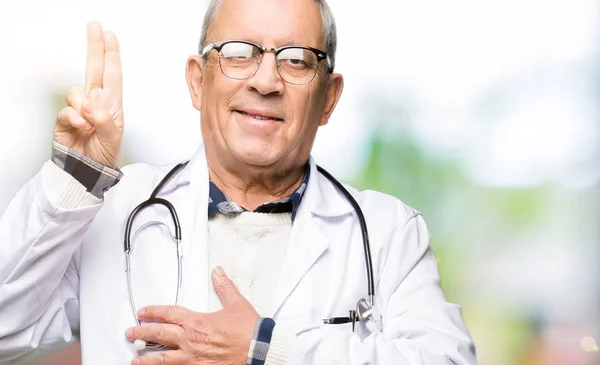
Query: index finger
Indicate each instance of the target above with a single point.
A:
(173, 314)
(95, 57)
(163, 334)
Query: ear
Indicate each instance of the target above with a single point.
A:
(333, 92)
(194, 73)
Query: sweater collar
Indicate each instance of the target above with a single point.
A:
(218, 202)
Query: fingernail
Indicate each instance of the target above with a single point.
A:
(219, 271)
(135, 361)
(141, 313)
(129, 333)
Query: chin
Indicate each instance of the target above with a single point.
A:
(256, 155)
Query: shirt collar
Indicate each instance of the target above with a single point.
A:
(218, 202)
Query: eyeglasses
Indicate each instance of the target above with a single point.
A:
(240, 60)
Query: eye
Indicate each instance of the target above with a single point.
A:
(297, 58)
(295, 62)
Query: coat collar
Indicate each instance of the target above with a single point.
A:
(321, 197)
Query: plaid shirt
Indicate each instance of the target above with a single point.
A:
(219, 202)
(97, 179)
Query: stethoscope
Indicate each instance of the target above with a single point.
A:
(365, 312)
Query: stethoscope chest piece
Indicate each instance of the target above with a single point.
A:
(368, 315)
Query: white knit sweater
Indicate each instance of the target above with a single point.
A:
(251, 248)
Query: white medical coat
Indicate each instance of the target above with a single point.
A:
(62, 273)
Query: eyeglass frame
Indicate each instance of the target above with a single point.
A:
(218, 45)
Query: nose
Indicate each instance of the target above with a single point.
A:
(266, 80)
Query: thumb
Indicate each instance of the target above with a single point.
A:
(226, 289)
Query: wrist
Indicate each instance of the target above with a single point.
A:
(261, 340)
(93, 176)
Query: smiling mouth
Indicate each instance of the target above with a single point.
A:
(260, 117)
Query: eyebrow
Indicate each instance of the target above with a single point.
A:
(287, 42)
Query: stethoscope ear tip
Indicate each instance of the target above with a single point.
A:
(139, 344)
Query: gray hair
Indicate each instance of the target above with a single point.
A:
(327, 23)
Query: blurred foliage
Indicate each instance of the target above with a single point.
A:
(397, 166)
(465, 220)
(458, 212)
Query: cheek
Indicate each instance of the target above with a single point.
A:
(216, 100)
(307, 106)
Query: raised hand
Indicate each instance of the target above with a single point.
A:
(92, 123)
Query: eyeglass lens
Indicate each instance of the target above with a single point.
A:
(241, 61)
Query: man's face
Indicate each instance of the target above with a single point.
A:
(234, 127)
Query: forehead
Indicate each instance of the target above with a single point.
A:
(272, 23)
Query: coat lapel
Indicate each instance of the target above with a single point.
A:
(307, 244)
(309, 239)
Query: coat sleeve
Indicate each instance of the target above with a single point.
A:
(39, 258)
(419, 326)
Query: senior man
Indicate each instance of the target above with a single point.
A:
(270, 258)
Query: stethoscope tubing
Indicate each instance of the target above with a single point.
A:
(154, 200)
(363, 229)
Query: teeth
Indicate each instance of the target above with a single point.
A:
(259, 117)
